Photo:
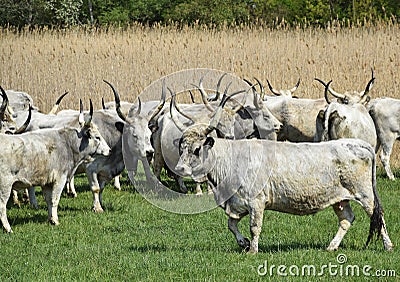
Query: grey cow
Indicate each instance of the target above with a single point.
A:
(46, 158)
(386, 117)
(249, 176)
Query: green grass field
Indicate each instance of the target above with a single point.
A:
(135, 241)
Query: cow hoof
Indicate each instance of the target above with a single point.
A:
(8, 230)
(244, 244)
(389, 247)
(54, 222)
(72, 195)
(332, 248)
(252, 252)
(98, 210)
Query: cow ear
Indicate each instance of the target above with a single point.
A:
(209, 142)
(321, 114)
(120, 126)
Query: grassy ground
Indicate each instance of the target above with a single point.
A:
(135, 241)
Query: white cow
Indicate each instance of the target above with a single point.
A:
(46, 158)
(250, 176)
(385, 113)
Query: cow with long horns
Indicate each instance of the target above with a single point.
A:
(46, 158)
(250, 176)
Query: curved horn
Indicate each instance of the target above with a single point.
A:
(117, 101)
(161, 104)
(139, 106)
(81, 119)
(217, 93)
(191, 97)
(103, 105)
(180, 110)
(274, 91)
(204, 95)
(295, 87)
(54, 110)
(4, 104)
(174, 118)
(26, 123)
(261, 88)
(88, 119)
(337, 95)
(369, 85)
(326, 92)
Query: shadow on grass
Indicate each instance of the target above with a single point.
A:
(22, 220)
(233, 248)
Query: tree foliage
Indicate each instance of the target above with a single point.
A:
(63, 13)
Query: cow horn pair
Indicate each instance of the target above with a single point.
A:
(82, 120)
(257, 100)
(364, 95)
(214, 120)
(139, 109)
(217, 93)
(203, 93)
(278, 93)
(205, 98)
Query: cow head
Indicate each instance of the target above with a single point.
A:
(7, 123)
(91, 141)
(136, 129)
(349, 97)
(196, 157)
(265, 122)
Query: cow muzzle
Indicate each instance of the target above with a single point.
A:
(183, 169)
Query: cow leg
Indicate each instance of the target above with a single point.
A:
(346, 217)
(71, 192)
(96, 191)
(387, 146)
(52, 194)
(198, 189)
(32, 198)
(4, 196)
(15, 198)
(232, 225)
(256, 220)
(117, 184)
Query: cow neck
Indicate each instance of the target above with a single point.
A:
(222, 165)
(72, 143)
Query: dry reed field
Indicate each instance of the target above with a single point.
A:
(47, 63)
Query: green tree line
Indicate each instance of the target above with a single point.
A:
(64, 13)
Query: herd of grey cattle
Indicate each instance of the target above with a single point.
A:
(256, 150)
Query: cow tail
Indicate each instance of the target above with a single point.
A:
(376, 220)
